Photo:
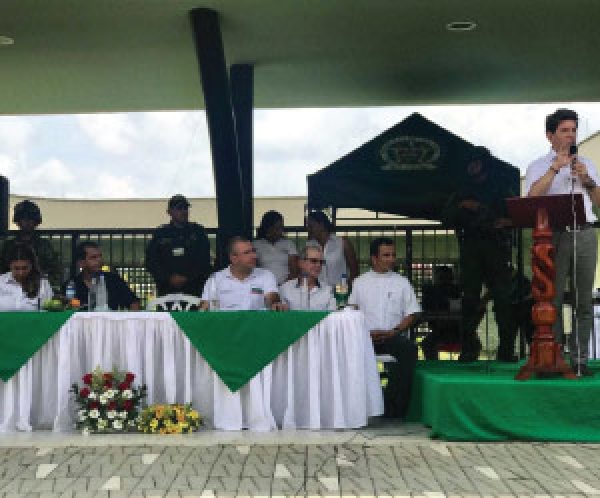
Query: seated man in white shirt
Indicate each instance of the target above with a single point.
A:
(306, 292)
(391, 308)
(242, 286)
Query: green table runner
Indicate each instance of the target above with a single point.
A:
(22, 334)
(237, 345)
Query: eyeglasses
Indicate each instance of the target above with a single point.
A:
(181, 208)
(315, 261)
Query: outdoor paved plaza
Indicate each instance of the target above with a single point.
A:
(386, 460)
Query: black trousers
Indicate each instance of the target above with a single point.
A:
(400, 374)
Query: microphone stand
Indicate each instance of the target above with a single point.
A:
(574, 231)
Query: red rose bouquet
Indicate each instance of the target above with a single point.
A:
(107, 402)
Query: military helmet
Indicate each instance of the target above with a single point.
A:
(27, 210)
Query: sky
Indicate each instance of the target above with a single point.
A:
(158, 154)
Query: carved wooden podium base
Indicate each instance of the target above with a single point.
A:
(545, 356)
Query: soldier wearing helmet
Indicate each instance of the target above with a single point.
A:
(27, 216)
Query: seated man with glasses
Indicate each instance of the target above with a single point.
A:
(306, 292)
(242, 286)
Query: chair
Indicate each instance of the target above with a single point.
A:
(174, 302)
(382, 361)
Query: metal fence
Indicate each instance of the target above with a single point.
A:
(419, 248)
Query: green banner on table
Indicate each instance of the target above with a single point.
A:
(22, 334)
(239, 344)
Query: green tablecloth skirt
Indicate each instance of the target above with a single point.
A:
(483, 402)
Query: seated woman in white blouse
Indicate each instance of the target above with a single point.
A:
(274, 251)
(23, 288)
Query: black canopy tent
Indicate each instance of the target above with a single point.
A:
(411, 169)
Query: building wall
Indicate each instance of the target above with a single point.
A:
(148, 213)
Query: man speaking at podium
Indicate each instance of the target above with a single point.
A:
(562, 171)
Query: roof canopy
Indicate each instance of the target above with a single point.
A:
(411, 169)
(74, 56)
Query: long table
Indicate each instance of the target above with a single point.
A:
(325, 379)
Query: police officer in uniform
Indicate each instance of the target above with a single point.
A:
(27, 216)
(478, 211)
(178, 255)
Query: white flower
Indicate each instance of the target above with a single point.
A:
(82, 415)
(103, 399)
(131, 423)
(102, 424)
(123, 414)
(111, 414)
(94, 414)
(127, 394)
(92, 395)
(117, 424)
(110, 394)
(85, 431)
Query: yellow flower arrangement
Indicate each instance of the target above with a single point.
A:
(169, 419)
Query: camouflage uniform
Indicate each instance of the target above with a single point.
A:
(485, 257)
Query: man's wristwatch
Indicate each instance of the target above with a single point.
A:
(555, 170)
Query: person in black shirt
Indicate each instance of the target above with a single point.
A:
(478, 212)
(178, 255)
(89, 258)
(437, 297)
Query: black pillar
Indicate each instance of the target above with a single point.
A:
(221, 128)
(4, 200)
(242, 98)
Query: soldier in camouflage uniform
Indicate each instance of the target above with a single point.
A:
(178, 256)
(27, 216)
(478, 211)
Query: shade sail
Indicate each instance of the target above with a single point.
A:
(411, 169)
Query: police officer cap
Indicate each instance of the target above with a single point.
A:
(178, 201)
(27, 210)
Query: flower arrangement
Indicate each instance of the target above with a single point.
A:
(108, 402)
(169, 419)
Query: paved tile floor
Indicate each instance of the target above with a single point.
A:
(383, 460)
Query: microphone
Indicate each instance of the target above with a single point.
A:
(573, 154)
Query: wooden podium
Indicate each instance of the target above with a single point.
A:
(543, 214)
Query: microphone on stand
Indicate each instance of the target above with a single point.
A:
(573, 156)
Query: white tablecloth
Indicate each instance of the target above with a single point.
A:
(327, 379)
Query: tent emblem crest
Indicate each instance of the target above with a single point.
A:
(409, 153)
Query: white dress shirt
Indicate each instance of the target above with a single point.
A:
(319, 298)
(385, 299)
(275, 257)
(238, 295)
(13, 298)
(561, 184)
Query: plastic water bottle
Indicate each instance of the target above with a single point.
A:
(101, 295)
(304, 293)
(93, 294)
(70, 290)
(341, 291)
